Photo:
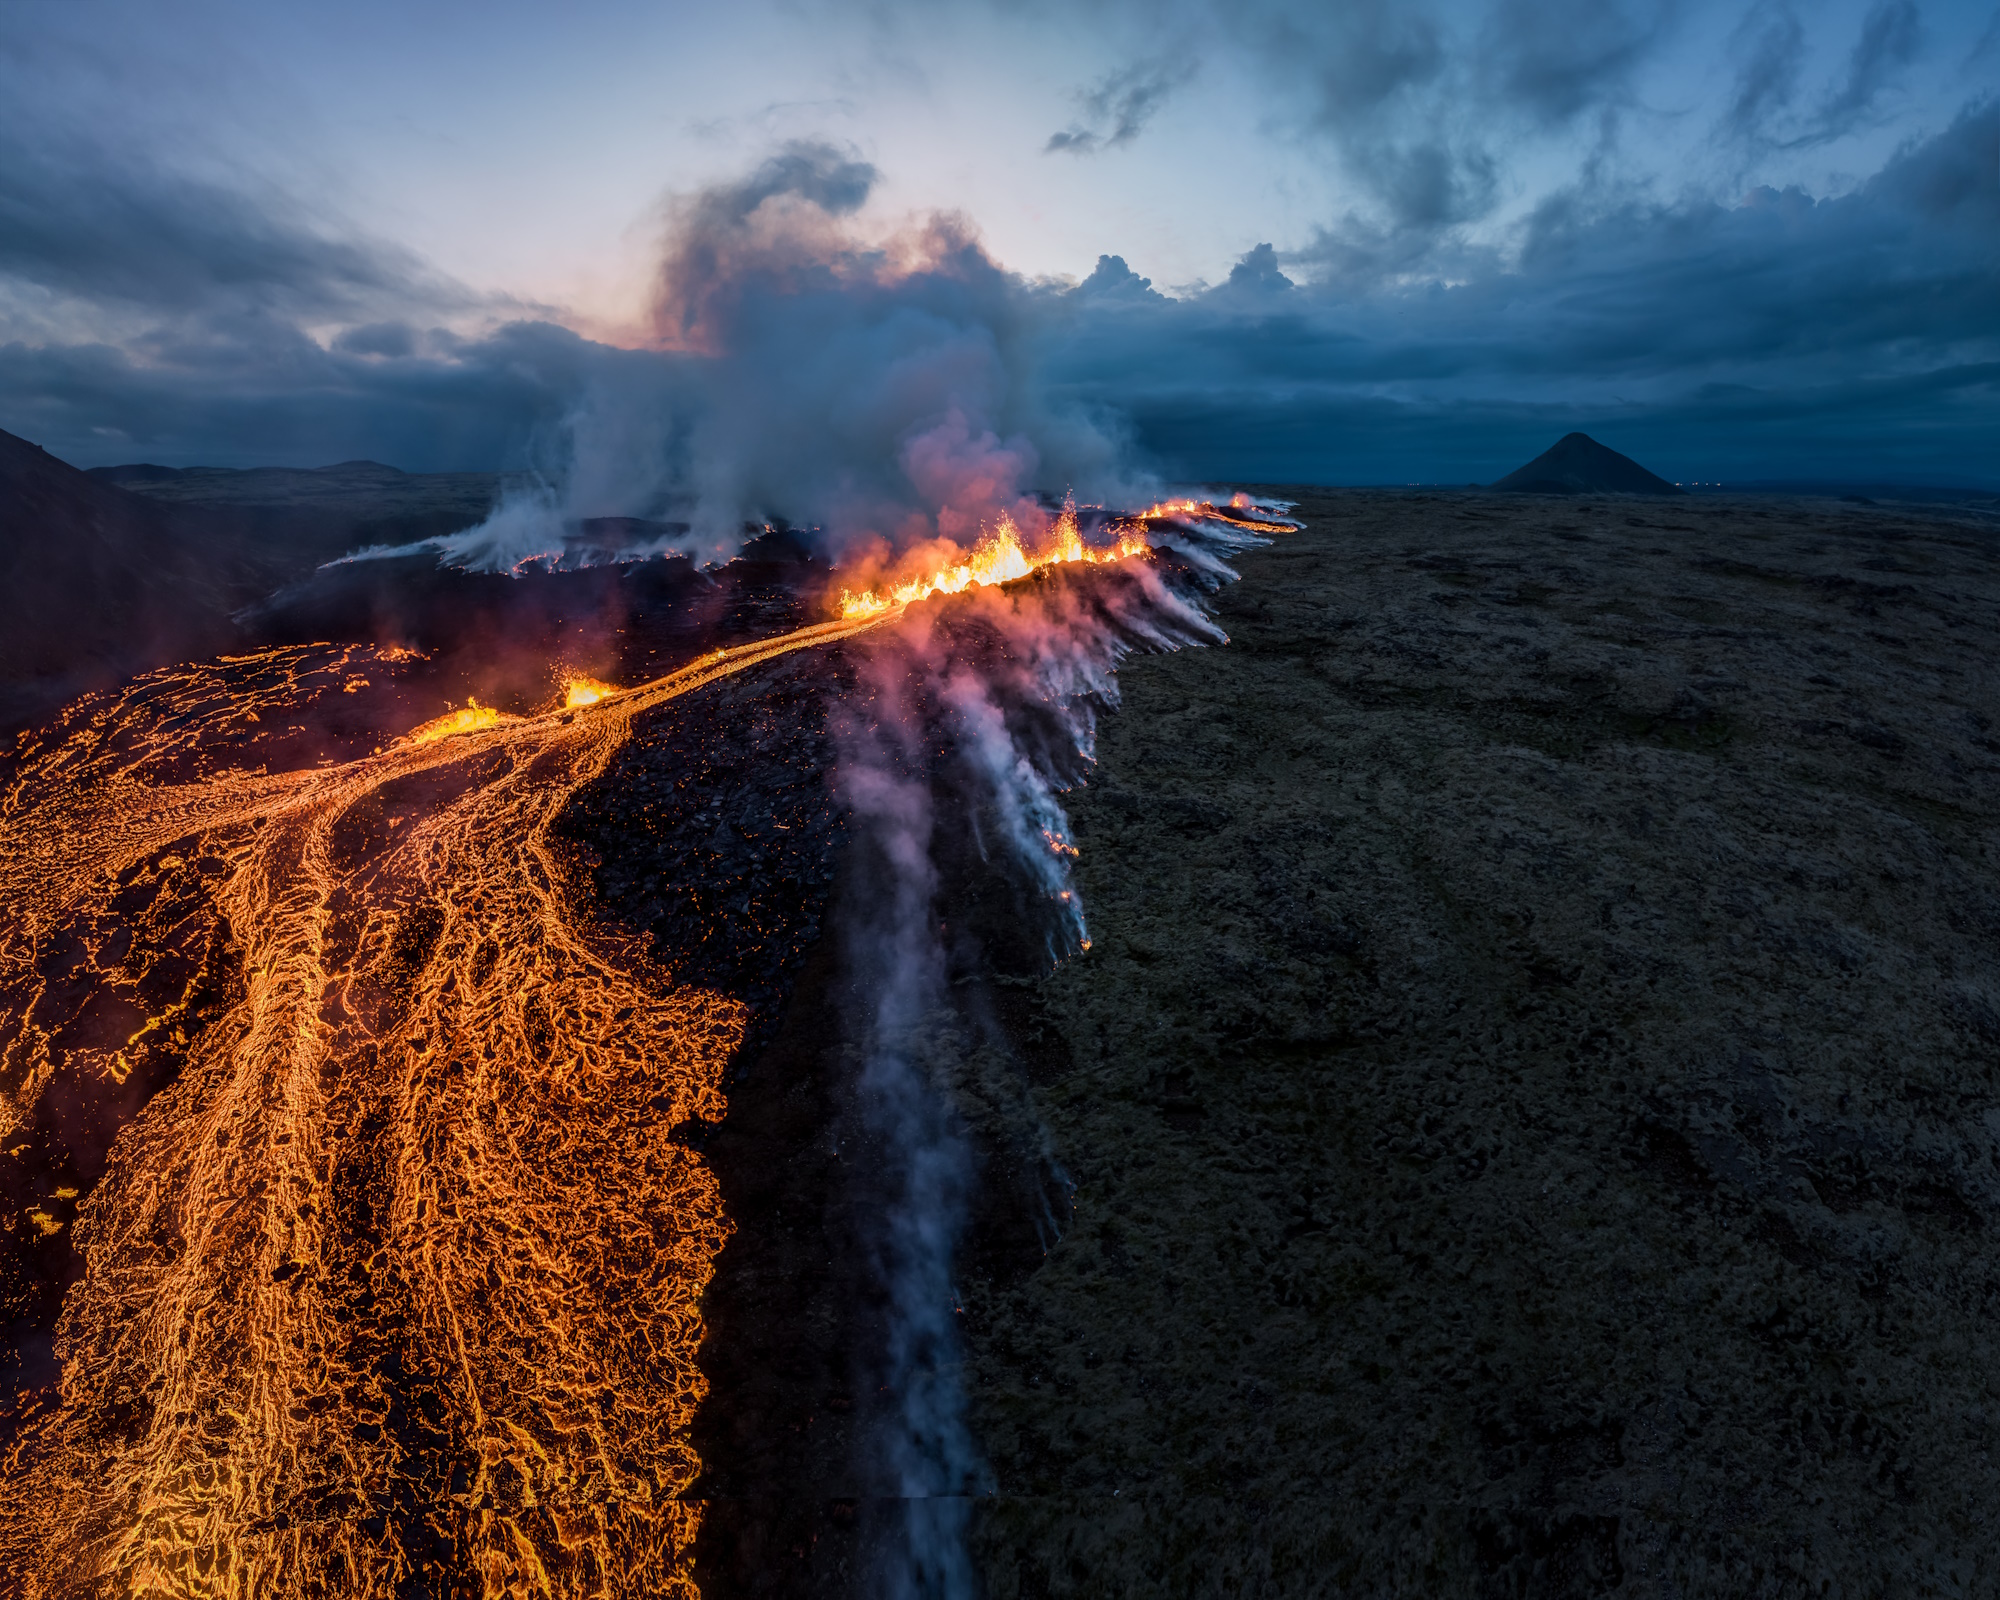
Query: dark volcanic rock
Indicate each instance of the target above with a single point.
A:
(715, 828)
(1534, 1098)
(109, 572)
(1578, 464)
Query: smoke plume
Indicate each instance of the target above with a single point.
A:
(982, 708)
(878, 387)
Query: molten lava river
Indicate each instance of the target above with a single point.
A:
(394, 1267)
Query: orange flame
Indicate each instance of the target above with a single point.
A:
(1209, 511)
(998, 558)
(472, 717)
(580, 691)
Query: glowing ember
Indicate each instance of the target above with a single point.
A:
(472, 717)
(580, 691)
(1241, 512)
(998, 558)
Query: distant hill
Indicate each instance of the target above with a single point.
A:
(1578, 464)
(108, 572)
(361, 491)
(96, 583)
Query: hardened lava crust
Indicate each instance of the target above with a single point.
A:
(1534, 1094)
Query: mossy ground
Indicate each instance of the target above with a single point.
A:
(1534, 1096)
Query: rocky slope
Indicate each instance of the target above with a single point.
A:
(96, 583)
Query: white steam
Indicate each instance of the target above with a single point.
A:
(927, 1448)
(879, 389)
(999, 689)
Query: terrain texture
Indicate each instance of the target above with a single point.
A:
(108, 572)
(1533, 1100)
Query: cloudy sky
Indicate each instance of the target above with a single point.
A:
(1372, 241)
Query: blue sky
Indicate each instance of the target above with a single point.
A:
(1373, 242)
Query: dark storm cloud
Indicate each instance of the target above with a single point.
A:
(1778, 334)
(151, 311)
(1258, 273)
(438, 403)
(1806, 334)
(1782, 335)
(1554, 60)
(1422, 104)
(808, 362)
(1113, 281)
(82, 221)
(1772, 44)
(1117, 108)
(1888, 41)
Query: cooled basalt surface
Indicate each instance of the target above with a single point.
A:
(1533, 1096)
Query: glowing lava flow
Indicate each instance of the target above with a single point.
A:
(472, 717)
(580, 691)
(1258, 520)
(998, 558)
(399, 1275)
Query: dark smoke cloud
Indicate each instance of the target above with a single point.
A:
(776, 227)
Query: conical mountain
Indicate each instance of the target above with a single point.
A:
(1578, 464)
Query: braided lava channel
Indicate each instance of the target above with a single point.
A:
(390, 1281)
(419, 1142)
